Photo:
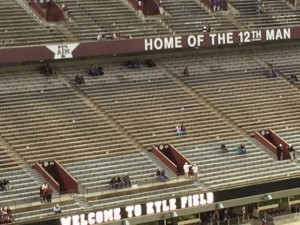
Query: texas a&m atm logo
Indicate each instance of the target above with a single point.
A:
(63, 51)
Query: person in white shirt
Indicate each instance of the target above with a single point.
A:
(160, 7)
(195, 171)
(186, 169)
(56, 209)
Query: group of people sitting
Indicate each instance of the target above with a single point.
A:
(120, 181)
(294, 78)
(48, 70)
(45, 193)
(240, 149)
(95, 71)
(4, 185)
(79, 79)
(180, 129)
(150, 63)
(134, 64)
(161, 175)
(6, 215)
(270, 71)
(112, 36)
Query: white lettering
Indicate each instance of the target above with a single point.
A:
(200, 39)
(165, 207)
(183, 202)
(212, 37)
(91, 218)
(229, 37)
(190, 201)
(210, 197)
(149, 208)
(270, 35)
(178, 43)
(158, 44)
(99, 217)
(83, 221)
(117, 214)
(157, 206)
(148, 44)
(75, 220)
(196, 201)
(287, 33)
(65, 221)
(278, 34)
(172, 202)
(129, 210)
(168, 43)
(221, 39)
(108, 215)
(191, 41)
(137, 210)
(202, 200)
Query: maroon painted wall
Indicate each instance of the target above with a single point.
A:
(270, 140)
(68, 182)
(180, 159)
(134, 4)
(170, 154)
(54, 12)
(150, 7)
(164, 159)
(58, 177)
(38, 9)
(47, 176)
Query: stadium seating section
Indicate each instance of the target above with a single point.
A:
(107, 126)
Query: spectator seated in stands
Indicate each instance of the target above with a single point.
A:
(47, 69)
(161, 175)
(260, 8)
(134, 64)
(160, 7)
(56, 209)
(223, 148)
(297, 3)
(186, 72)
(5, 185)
(116, 35)
(126, 180)
(116, 182)
(206, 29)
(96, 71)
(6, 216)
(65, 10)
(99, 37)
(180, 129)
(79, 79)
(241, 149)
(150, 63)
(294, 78)
(271, 74)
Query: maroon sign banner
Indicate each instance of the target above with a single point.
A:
(114, 47)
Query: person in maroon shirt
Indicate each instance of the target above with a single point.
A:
(49, 193)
